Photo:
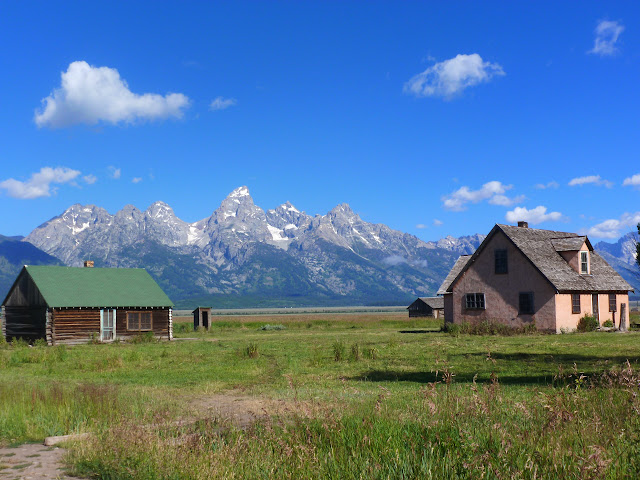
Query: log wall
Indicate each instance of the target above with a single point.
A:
(74, 325)
(160, 322)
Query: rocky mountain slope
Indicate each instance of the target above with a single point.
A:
(13, 255)
(244, 255)
(622, 256)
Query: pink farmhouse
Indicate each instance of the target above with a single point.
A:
(521, 275)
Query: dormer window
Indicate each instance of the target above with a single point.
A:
(584, 263)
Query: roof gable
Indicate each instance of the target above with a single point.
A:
(97, 287)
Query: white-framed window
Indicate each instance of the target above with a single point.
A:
(584, 263)
(139, 321)
(474, 301)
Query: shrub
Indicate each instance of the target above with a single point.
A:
(338, 350)
(608, 324)
(182, 327)
(588, 323)
(40, 342)
(355, 352)
(489, 327)
(147, 337)
(252, 350)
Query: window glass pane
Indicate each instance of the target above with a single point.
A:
(133, 321)
(501, 261)
(145, 321)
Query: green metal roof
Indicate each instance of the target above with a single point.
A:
(97, 287)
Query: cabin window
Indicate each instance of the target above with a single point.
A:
(525, 303)
(575, 303)
(139, 321)
(612, 302)
(474, 301)
(501, 261)
(584, 263)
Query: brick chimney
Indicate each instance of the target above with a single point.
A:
(523, 224)
(88, 263)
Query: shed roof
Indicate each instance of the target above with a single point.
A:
(433, 302)
(97, 287)
(539, 246)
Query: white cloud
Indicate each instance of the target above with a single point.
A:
(90, 179)
(492, 191)
(136, 179)
(533, 216)
(544, 186)
(421, 226)
(221, 103)
(89, 95)
(607, 33)
(505, 201)
(634, 181)
(437, 222)
(39, 185)
(115, 172)
(394, 260)
(447, 78)
(595, 179)
(613, 228)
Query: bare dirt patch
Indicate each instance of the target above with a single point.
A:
(243, 410)
(32, 461)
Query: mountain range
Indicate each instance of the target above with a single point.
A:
(244, 256)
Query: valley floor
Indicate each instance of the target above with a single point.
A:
(332, 396)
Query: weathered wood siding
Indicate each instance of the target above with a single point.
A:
(25, 322)
(74, 325)
(25, 293)
(159, 322)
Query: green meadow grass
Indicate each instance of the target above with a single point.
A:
(370, 396)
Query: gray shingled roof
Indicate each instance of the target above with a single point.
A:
(433, 302)
(571, 244)
(540, 247)
(453, 274)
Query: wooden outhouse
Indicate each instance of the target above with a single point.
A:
(427, 307)
(75, 305)
(202, 318)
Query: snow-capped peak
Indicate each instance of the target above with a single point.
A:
(239, 192)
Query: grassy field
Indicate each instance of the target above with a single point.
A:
(343, 396)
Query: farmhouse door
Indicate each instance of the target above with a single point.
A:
(107, 325)
(594, 305)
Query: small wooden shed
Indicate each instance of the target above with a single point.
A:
(75, 305)
(202, 318)
(427, 307)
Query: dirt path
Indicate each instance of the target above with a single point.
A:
(32, 461)
(35, 461)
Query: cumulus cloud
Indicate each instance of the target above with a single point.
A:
(492, 191)
(450, 77)
(115, 172)
(90, 179)
(136, 179)
(607, 33)
(593, 179)
(40, 183)
(633, 181)
(221, 103)
(421, 226)
(437, 222)
(88, 95)
(613, 228)
(544, 186)
(533, 216)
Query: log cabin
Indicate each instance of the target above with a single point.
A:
(69, 305)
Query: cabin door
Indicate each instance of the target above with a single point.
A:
(594, 307)
(205, 320)
(107, 325)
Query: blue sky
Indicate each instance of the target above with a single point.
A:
(433, 118)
